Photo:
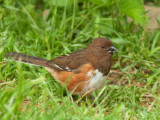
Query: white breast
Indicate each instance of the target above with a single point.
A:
(97, 80)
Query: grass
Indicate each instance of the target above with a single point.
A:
(48, 31)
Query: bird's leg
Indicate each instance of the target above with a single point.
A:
(72, 99)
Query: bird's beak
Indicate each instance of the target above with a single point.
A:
(112, 50)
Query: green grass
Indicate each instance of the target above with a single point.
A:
(29, 92)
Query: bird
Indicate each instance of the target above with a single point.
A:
(83, 71)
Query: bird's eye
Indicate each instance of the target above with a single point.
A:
(102, 46)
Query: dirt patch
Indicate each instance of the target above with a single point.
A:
(153, 13)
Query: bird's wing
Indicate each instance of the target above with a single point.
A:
(69, 62)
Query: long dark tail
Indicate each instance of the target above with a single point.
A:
(27, 59)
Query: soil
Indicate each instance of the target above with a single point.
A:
(153, 13)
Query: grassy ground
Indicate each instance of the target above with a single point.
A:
(42, 29)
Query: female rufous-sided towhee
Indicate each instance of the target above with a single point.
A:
(82, 71)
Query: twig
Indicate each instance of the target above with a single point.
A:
(3, 62)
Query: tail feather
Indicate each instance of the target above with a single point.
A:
(27, 59)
